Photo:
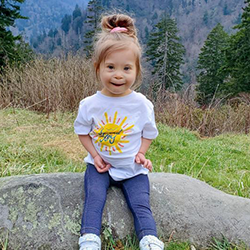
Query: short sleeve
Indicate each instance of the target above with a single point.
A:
(150, 130)
(82, 124)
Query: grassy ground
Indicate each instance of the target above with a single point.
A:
(222, 161)
(30, 143)
(33, 143)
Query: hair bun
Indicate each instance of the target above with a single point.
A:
(119, 20)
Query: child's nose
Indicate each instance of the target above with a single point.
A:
(118, 75)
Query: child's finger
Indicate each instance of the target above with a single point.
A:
(137, 159)
(103, 164)
(146, 162)
(150, 166)
(105, 169)
(99, 164)
(99, 170)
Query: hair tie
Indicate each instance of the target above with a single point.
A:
(119, 29)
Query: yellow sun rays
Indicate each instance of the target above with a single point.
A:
(110, 134)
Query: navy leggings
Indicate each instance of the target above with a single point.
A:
(136, 192)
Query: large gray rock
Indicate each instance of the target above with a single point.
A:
(44, 211)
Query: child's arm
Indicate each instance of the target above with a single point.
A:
(140, 156)
(100, 164)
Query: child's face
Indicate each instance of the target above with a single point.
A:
(118, 72)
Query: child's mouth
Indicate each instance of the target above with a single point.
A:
(117, 85)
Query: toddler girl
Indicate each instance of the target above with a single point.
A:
(116, 126)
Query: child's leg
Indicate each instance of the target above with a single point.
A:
(95, 186)
(136, 192)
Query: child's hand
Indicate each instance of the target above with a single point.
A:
(101, 165)
(140, 159)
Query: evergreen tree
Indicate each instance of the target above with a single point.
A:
(78, 24)
(59, 41)
(127, 8)
(51, 33)
(238, 56)
(226, 11)
(146, 33)
(66, 21)
(77, 12)
(9, 44)
(205, 18)
(165, 52)
(94, 11)
(77, 20)
(210, 61)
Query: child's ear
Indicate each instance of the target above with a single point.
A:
(96, 67)
(97, 70)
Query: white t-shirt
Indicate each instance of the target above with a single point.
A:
(116, 125)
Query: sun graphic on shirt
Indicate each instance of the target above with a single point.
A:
(111, 134)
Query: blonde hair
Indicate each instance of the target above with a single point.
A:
(108, 42)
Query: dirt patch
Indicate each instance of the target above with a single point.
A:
(71, 146)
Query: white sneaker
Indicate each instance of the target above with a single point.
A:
(89, 242)
(151, 242)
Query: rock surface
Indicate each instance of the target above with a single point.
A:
(44, 211)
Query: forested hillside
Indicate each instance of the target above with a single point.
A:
(195, 19)
(44, 15)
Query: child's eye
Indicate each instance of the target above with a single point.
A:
(110, 67)
(126, 68)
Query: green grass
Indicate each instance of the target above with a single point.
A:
(222, 161)
(32, 143)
